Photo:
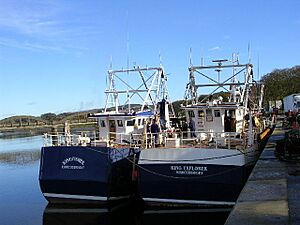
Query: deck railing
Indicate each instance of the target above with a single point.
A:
(65, 139)
(228, 140)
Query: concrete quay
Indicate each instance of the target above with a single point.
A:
(272, 192)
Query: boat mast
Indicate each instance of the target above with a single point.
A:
(247, 83)
(233, 88)
(230, 82)
(151, 88)
(111, 97)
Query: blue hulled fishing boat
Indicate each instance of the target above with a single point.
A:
(99, 166)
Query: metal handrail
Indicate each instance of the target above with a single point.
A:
(67, 139)
(210, 139)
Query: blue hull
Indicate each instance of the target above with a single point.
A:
(78, 174)
(188, 184)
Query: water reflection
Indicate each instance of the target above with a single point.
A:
(20, 151)
(21, 144)
(20, 157)
(131, 213)
(125, 213)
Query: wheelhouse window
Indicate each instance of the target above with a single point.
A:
(209, 115)
(230, 113)
(201, 117)
(217, 113)
(191, 113)
(139, 122)
(200, 113)
(130, 123)
(112, 123)
(102, 123)
(120, 123)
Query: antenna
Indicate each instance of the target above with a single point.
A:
(127, 41)
(111, 62)
(258, 73)
(191, 63)
(218, 70)
(160, 59)
(127, 51)
(110, 67)
(234, 60)
(249, 53)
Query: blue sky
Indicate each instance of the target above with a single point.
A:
(54, 55)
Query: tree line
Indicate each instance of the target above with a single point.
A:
(280, 83)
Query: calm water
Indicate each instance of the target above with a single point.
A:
(21, 202)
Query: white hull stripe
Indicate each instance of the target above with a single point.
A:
(194, 162)
(72, 210)
(189, 210)
(119, 197)
(194, 202)
(83, 197)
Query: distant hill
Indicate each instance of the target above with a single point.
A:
(46, 119)
(54, 119)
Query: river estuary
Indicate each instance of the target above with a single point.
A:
(22, 203)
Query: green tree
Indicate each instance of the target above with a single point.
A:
(49, 117)
(280, 83)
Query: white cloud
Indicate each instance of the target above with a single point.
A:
(40, 26)
(28, 45)
(214, 48)
(29, 17)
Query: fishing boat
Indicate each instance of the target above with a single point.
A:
(209, 160)
(97, 167)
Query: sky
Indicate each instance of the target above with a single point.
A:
(54, 54)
